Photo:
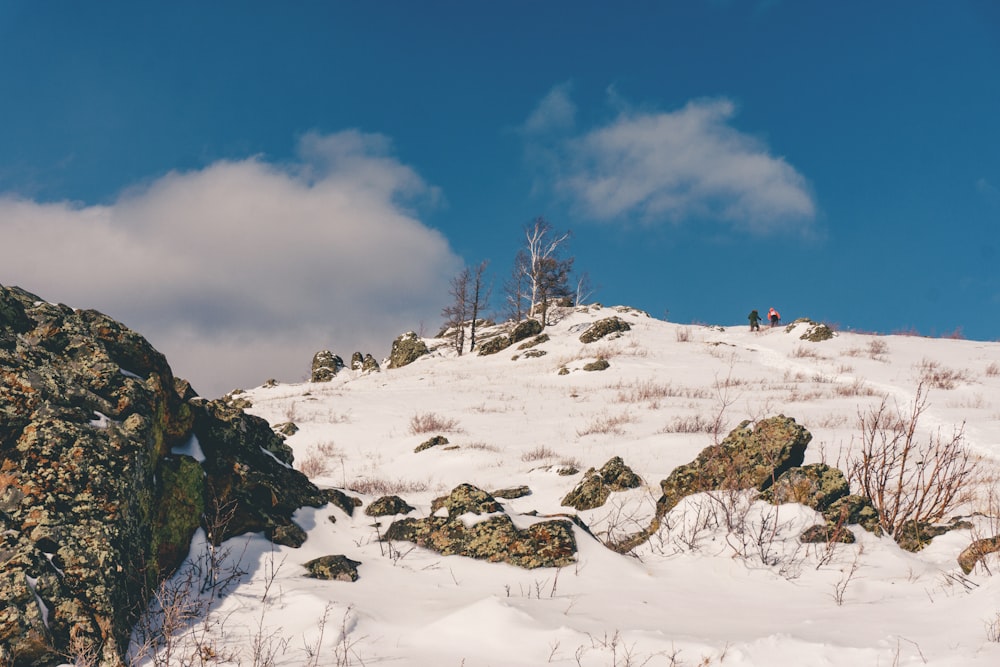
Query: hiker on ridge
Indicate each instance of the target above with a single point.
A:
(774, 316)
(754, 318)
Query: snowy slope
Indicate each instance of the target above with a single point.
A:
(696, 594)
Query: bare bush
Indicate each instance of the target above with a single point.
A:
(691, 424)
(855, 388)
(431, 422)
(377, 486)
(905, 478)
(803, 352)
(606, 423)
(683, 335)
(940, 377)
(314, 464)
(877, 349)
(651, 390)
(539, 453)
(993, 370)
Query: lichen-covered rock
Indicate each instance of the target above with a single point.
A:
(98, 502)
(816, 485)
(605, 327)
(338, 498)
(537, 340)
(598, 365)
(436, 441)
(356, 360)
(333, 568)
(494, 539)
(494, 345)
(748, 458)
(388, 506)
(325, 366)
(524, 330)
(286, 429)
(370, 365)
(512, 493)
(597, 485)
(827, 533)
(406, 349)
(815, 332)
(976, 551)
(854, 509)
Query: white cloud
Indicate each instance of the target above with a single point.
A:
(683, 164)
(242, 270)
(555, 112)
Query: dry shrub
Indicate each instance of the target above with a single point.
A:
(650, 390)
(540, 452)
(692, 424)
(877, 349)
(314, 464)
(605, 423)
(377, 486)
(803, 352)
(856, 388)
(683, 335)
(993, 370)
(940, 377)
(905, 478)
(482, 446)
(431, 422)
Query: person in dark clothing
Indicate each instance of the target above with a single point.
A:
(754, 318)
(774, 316)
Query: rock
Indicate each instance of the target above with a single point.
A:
(406, 349)
(333, 568)
(494, 345)
(599, 365)
(534, 354)
(357, 359)
(286, 428)
(816, 485)
(340, 499)
(436, 441)
(370, 365)
(524, 330)
(827, 533)
(325, 365)
(596, 486)
(976, 551)
(494, 539)
(288, 535)
(915, 535)
(537, 340)
(603, 328)
(388, 506)
(815, 332)
(854, 510)
(98, 499)
(748, 458)
(512, 493)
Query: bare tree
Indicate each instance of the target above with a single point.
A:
(584, 290)
(480, 299)
(457, 312)
(548, 272)
(515, 288)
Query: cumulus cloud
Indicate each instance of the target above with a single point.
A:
(679, 165)
(240, 271)
(556, 111)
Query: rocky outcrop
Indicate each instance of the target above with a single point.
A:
(748, 458)
(602, 328)
(597, 365)
(817, 486)
(364, 363)
(325, 366)
(494, 345)
(490, 535)
(597, 485)
(333, 568)
(406, 349)
(107, 467)
(436, 441)
(524, 330)
(388, 506)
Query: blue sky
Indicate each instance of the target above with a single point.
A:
(245, 183)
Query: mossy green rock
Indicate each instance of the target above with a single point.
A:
(388, 506)
(854, 509)
(494, 345)
(605, 327)
(524, 330)
(494, 539)
(333, 568)
(436, 441)
(599, 365)
(597, 485)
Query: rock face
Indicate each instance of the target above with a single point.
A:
(406, 349)
(100, 491)
(605, 327)
(325, 365)
(494, 538)
(596, 486)
(524, 330)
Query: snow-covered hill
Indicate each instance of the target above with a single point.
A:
(696, 594)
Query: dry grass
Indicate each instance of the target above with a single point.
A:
(482, 446)
(649, 390)
(683, 335)
(320, 459)
(377, 486)
(431, 422)
(606, 423)
(691, 424)
(539, 453)
(856, 388)
(878, 349)
(941, 377)
(993, 370)
(803, 352)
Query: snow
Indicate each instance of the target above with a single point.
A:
(701, 592)
(191, 448)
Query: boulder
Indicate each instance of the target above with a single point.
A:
(816, 485)
(605, 327)
(494, 345)
(388, 506)
(524, 330)
(333, 568)
(369, 365)
(357, 359)
(325, 365)
(598, 365)
(597, 485)
(436, 441)
(100, 491)
(976, 551)
(854, 510)
(406, 349)
(494, 539)
(537, 340)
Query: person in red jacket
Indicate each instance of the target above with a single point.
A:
(773, 316)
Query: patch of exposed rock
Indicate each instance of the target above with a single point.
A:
(100, 488)
(325, 366)
(494, 344)
(597, 485)
(436, 441)
(603, 328)
(524, 330)
(406, 349)
(597, 365)
(333, 568)
(490, 536)
(388, 506)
